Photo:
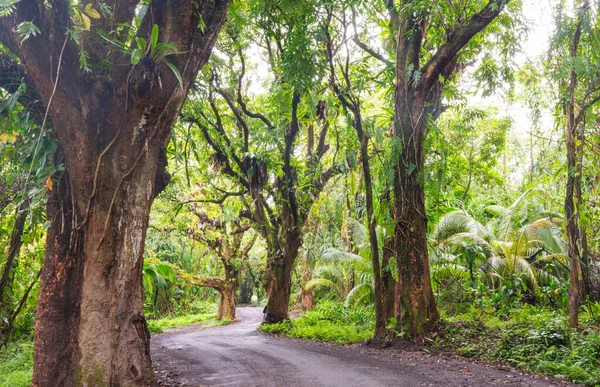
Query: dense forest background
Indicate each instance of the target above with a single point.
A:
(302, 180)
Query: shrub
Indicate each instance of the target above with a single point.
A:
(16, 364)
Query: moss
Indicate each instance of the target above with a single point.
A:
(96, 378)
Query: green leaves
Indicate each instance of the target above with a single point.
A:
(27, 29)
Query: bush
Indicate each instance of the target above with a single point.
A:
(533, 339)
(328, 321)
(157, 326)
(16, 364)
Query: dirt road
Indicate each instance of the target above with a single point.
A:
(239, 355)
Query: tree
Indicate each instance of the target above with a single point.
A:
(427, 57)
(112, 89)
(352, 103)
(226, 240)
(583, 93)
(256, 142)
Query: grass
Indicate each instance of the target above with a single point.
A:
(16, 364)
(198, 312)
(157, 326)
(328, 322)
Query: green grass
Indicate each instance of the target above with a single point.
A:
(157, 326)
(16, 364)
(327, 322)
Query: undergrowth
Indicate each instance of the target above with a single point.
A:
(201, 312)
(328, 321)
(16, 364)
(530, 338)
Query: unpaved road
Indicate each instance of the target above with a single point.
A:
(239, 355)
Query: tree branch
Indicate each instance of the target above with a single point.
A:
(448, 51)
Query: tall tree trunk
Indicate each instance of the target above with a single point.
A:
(279, 279)
(372, 222)
(572, 232)
(417, 307)
(586, 285)
(571, 212)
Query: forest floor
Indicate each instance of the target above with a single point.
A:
(239, 355)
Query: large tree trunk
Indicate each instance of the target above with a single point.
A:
(227, 303)
(279, 279)
(113, 130)
(90, 308)
(417, 307)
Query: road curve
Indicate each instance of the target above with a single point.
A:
(239, 355)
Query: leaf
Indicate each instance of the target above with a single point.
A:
(91, 12)
(316, 282)
(141, 44)
(87, 23)
(154, 37)
(27, 29)
(49, 183)
(176, 72)
(136, 56)
(9, 138)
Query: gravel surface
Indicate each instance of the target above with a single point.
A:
(239, 355)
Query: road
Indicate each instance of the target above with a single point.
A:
(239, 355)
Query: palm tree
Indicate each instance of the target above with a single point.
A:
(521, 242)
(338, 268)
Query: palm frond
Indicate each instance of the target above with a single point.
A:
(336, 255)
(316, 282)
(455, 222)
(359, 293)
(358, 233)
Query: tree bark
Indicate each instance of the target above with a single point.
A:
(417, 306)
(279, 279)
(227, 303)
(92, 277)
(573, 180)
